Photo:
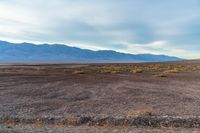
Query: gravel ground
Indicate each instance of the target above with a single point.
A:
(46, 95)
(88, 129)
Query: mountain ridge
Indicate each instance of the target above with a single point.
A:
(29, 52)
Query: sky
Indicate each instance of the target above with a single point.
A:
(170, 27)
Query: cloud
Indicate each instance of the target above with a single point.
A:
(157, 47)
(139, 26)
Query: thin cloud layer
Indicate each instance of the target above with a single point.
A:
(133, 26)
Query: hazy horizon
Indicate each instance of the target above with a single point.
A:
(128, 26)
(49, 43)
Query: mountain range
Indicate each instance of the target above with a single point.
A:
(59, 53)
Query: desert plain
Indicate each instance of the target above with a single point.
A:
(100, 97)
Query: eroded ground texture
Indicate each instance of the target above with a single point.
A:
(148, 97)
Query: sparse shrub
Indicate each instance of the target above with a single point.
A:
(115, 72)
(74, 121)
(162, 69)
(141, 112)
(175, 70)
(104, 71)
(136, 71)
(196, 68)
(79, 72)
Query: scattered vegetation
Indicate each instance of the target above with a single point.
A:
(196, 67)
(78, 72)
(115, 72)
(157, 69)
(136, 71)
(162, 75)
(175, 70)
(141, 112)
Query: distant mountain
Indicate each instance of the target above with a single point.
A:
(27, 52)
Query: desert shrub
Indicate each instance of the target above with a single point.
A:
(114, 72)
(78, 72)
(109, 69)
(196, 68)
(136, 70)
(104, 71)
(141, 112)
(162, 69)
(175, 70)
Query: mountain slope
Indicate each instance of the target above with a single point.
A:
(27, 52)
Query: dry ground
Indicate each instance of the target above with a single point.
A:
(87, 96)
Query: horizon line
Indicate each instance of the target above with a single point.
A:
(57, 43)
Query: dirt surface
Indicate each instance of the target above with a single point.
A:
(83, 96)
(89, 129)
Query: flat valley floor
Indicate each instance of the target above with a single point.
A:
(126, 97)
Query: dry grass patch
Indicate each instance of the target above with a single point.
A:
(115, 72)
(78, 72)
(136, 71)
(141, 112)
(196, 68)
(175, 70)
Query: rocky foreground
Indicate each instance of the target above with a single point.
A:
(156, 97)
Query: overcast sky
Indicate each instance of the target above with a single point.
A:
(170, 27)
